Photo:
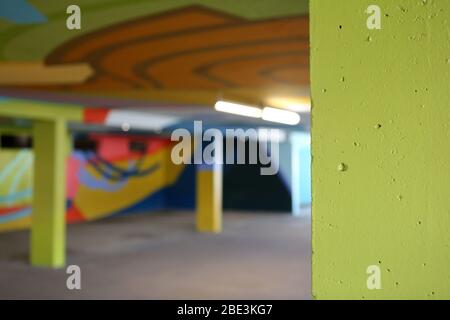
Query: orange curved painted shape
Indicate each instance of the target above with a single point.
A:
(192, 48)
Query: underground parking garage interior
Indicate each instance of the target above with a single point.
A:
(217, 150)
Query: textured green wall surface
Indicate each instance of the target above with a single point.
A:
(381, 148)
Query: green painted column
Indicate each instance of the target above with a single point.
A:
(48, 234)
(381, 149)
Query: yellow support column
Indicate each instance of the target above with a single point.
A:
(48, 231)
(209, 198)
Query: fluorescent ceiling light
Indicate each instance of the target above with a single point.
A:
(126, 127)
(239, 109)
(280, 116)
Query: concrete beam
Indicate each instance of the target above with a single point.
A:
(24, 109)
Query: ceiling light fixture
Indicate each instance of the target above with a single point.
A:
(280, 116)
(239, 109)
(126, 127)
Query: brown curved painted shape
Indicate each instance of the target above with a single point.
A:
(192, 48)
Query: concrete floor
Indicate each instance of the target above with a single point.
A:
(159, 256)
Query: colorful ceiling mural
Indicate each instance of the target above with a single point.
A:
(179, 51)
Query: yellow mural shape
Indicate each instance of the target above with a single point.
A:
(98, 203)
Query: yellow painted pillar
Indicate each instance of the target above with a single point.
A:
(48, 230)
(209, 198)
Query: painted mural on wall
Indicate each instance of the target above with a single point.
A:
(15, 189)
(134, 174)
(113, 180)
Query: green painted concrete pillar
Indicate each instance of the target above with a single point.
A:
(381, 149)
(48, 231)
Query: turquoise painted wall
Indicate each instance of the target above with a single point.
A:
(297, 176)
(381, 149)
